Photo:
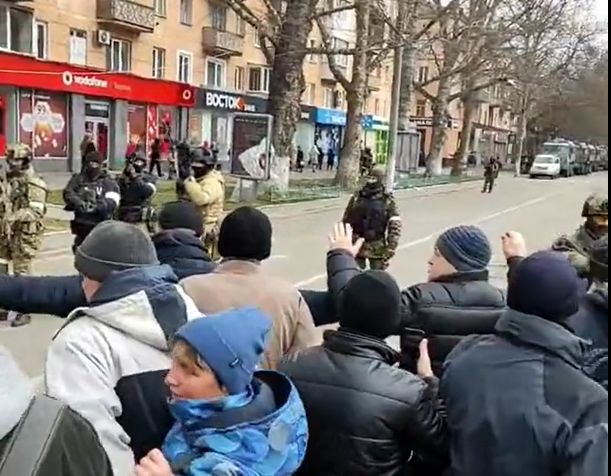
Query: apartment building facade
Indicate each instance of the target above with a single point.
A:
(126, 70)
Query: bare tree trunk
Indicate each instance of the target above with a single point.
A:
(434, 161)
(460, 164)
(286, 87)
(407, 87)
(521, 136)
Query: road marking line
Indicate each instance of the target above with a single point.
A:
(427, 238)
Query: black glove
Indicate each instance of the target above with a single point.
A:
(86, 207)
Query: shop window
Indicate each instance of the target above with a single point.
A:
(43, 123)
(119, 55)
(421, 108)
(186, 12)
(218, 16)
(42, 40)
(259, 79)
(161, 8)
(215, 74)
(238, 81)
(158, 63)
(185, 67)
(78, 46)
(16, 29)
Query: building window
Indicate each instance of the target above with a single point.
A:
(186, 12)
(421, 108)
(312, 94)
(42, 40)
(161, 8)
(215, 74)
(158, 63)
(376, 107)
(329, 99)
(240, 25)
(218, 17)
(312, 58)
(423, 74)
(257, 39)
(259, 79)
(78, 46)
(338, 44)
(185, 67)
(120, 55)
(16, 30)
(238, 79)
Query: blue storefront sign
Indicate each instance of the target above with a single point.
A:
(372, 123)
(330, 117)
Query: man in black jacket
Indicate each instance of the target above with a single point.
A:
(365, 415)
(457, 301)
(518, 401)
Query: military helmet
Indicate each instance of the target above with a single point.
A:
(19, 151)
(377, 174)
(596, 205)
(202, 156)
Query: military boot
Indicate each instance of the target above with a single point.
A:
(21, 320)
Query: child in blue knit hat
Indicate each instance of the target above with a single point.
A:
(230, 418)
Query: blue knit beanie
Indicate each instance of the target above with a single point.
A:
(467, 248)
(545, 285)
(230, 343)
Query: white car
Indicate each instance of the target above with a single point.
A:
(546, 166)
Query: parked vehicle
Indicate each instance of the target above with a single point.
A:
(546, 166)
(565, 151)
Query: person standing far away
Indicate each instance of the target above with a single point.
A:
(155, 157)
(300, 159)
(330, 158)
(518, 401)
(206, 188)
(321, 157)
(491, 172)
(23, 196)
(374, 217)
(313, 159)
(93, 195)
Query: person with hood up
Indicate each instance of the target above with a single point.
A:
(230, 419)
(456, 301)
(109, 361)
(366, 415)
(245, 241)
(40, 436)
(518, 401)
(178, 245)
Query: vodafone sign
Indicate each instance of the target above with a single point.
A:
(207, 99)
(20, 71)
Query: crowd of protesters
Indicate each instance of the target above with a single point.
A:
(172, 364)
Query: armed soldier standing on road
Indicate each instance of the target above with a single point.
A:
(206, 188)
(23, 197)
(491, 173)
(92, 195)
(578, 246)
(137, 191)
(374, 216)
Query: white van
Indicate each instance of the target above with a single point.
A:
(546, 166)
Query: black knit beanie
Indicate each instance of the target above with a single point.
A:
(371, 305)
(246, 233)
(182, 214)
(114, 246)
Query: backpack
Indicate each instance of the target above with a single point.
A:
(369, 216)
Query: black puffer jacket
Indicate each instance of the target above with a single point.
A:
(183, 252)
(365, 415)
(447, 310)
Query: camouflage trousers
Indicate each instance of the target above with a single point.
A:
(21, 247)
(375, 264)
(211, 242)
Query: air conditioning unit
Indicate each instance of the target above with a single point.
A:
(104, 37)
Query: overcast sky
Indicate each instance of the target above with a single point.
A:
(602, 9)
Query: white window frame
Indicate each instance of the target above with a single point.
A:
(122, 68)
(421, 107)
(161, 8)
(77, 33)
(423, 74)
(312, 58)
(160, 55)
(256, 39)
(223, 66)
(265, 79)
(240, 26)
(183, 14)
(184, 54)
(7, 11)
(226, 12)
(329, 98)
(45, 27)
(238, 72)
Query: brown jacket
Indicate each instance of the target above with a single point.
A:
(243, 283)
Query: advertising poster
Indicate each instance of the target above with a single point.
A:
(251, 146)
(136, 123)
(42, 123)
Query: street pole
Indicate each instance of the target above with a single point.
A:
(394, 111)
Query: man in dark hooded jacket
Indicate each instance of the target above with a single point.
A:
(457, 301)
(367, 416)
(518, 401)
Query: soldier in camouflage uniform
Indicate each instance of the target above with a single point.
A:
(23, 196)
(578, 246)
(374, 216)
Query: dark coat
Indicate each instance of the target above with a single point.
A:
(183, 252)
(519, 403)
(365, 415)
(446, 310)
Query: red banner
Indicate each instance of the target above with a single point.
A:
(27, 72)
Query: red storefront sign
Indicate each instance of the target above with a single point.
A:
(27, 72)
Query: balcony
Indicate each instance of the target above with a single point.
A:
(220, 42)
(137, 16)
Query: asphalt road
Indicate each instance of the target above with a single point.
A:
(541, 210)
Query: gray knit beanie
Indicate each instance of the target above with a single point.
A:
(467, 248)
(114, 246)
